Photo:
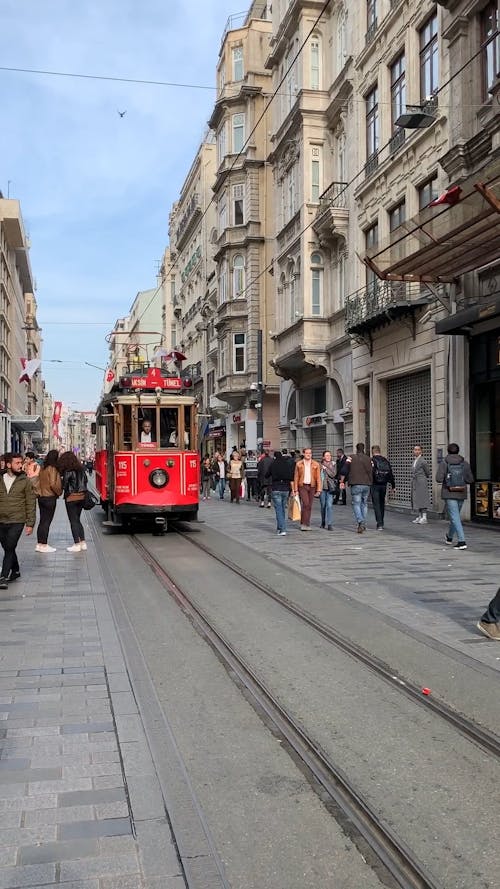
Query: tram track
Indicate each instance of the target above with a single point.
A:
(396, 865)
(481, 737)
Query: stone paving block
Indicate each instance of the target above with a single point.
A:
(137, 758)
(10, 819)
(56, 815)
(134, 882)
(117, 845)
(63, 760)
(91, 797)
(157, 852)
(31, 875)
(8, 856)
(14, 764)
(106, 756)
(45, 801)
(59, 787)
(82, 884)
(163, 883)
(111, 810)
(129, 728)
(96, 770)
(123, 703)
(104, 781)
(57, 851)
(145, 797)
(108, 827)
(27, 836)
(99, 867)
(25, 776)
(79, 728)
(118, 682)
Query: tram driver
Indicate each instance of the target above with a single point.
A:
(146, 436)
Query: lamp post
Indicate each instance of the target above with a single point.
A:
(260, 395)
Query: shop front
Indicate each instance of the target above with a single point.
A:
(241, 429)
(215, 439)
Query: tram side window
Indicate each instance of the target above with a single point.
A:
(168, 427)
(147, 427)
(126, 414)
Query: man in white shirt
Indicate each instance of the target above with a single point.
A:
(146, 433)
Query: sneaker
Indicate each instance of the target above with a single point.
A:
(360, 528)
(330, 528)
(461, 545)
(44, 548)
(282, 533)
(269, 506)
(380, 527)
(83, 545)
(323, 525)
(423, 520)
(14, 575)
(76, 548)
(492, 631)
(3, 583)
(262, 505)
(417, 520)
(448, 540)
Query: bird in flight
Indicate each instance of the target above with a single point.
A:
(122, 113)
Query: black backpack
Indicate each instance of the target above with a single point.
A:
(455, 477)
(381, 470)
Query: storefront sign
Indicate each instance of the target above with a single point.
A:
(216, 431)
(236, 418)
(315, 420)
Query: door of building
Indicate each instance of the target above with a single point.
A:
(409, 422)
(318, 441)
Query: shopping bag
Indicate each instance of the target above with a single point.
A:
(242, 490)
(294, 509)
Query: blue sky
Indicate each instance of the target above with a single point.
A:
(96, 189)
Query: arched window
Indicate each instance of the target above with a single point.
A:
(238, 276)
(223, 282)
(316, 283)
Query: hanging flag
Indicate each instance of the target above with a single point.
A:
(110, 376)
(451, 196)
(29, 369)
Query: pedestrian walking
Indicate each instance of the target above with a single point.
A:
(359, 475)
(74, 485)
(281, 473)
(420, 473)
(340, 494)
(220, 471)
(48, 487)
(455, 474)
(489, 625)
(329, 486)
(307, 484)
(236, 476)
(31, 466)
(17, 511)
(382, 476)
(206, 478)
(251, 464)
(264, 481)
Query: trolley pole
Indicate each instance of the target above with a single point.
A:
(260, 393)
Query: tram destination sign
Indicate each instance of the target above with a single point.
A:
(152, 380)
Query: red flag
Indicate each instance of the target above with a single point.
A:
(29, 369)
(110, 376)
(451, 196)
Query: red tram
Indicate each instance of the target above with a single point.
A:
(146, 463)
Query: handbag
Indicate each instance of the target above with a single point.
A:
(90, 500)
(294, 508)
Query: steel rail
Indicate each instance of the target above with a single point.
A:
(391, 852)
(483, 738)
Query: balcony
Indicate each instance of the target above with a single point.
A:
(192, 213)
(380, 303)
(332, 217)
(371, 164)
(397, 141)
(301, 347)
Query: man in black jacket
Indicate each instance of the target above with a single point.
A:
(263, 470)
(341, 471)
(17, 510)
(382, 476)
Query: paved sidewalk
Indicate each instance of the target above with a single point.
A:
(405, 572)
(80, 805)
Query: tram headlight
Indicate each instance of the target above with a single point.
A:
(158, 478)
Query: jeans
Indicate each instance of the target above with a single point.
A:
(492, 613)
(10, 533)
(221, 487)
(47, 507)
(454, 508)
(74, 510)
(378, 500)
(326, 503)
(359, 496)
(206, 485)
(251, 487)
(280, 500)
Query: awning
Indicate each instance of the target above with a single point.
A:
(27, 423)
(461, 323)
(445, 241)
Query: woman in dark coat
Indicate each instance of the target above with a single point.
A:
(74, 485)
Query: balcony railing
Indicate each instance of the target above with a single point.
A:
(334, 196)
(380, 302)
(371, 164)
(397, 141)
